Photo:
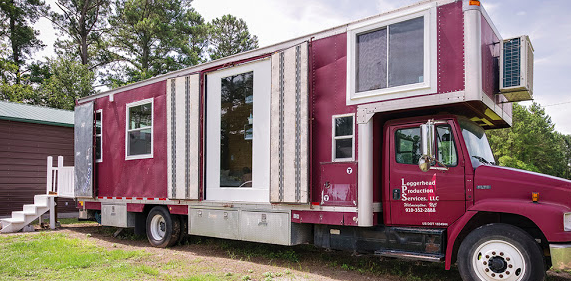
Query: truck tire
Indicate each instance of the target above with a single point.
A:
(500, 252)
(163, 229)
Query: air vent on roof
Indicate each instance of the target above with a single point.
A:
(516, 69)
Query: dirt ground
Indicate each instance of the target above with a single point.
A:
(216, 256)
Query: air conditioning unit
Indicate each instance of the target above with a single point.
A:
(516, 69)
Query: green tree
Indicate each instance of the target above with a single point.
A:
(69, 80)
(531, 143)
(154, 37)
(17, 18)
(228, 36)
(84, 22)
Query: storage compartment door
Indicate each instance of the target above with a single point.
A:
(183, 137)
(83, 166)
(289, 126)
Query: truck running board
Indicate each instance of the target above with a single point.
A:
(410, 255)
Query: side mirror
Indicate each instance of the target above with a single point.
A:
(427, 145)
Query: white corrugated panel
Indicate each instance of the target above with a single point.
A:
(289, 126)
(183, 139)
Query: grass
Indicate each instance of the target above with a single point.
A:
(54, 256)
(73, 221)
(297, 257)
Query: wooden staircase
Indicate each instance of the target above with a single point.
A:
(19, 219)
(59, 183)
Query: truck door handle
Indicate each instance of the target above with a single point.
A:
(396, 194)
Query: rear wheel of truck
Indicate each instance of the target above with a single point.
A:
(163, 229)
(500, 252)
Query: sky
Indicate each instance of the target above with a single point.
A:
(547, 22)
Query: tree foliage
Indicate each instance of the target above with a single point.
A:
(532, 143)
(106, 41)
(83, 24)
(69, 81)
(155, 37)
(17, 17)
(228, 36)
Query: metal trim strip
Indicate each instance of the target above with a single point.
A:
(281, 134)
(173, 137)
(298, 123)
(187, 137)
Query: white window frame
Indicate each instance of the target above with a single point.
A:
(429, 85)
(335, 138)
(260, 190)
(128, 106)
(100, 135)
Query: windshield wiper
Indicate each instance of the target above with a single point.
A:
(483, 160)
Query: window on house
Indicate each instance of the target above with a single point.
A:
(98, 136)
(139, 142)
(391, 56)
(343, 138)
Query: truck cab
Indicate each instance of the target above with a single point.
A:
(499, 220)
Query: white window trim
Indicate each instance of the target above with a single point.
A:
(128, 106)
(334, 138)
(429, 85)
(259, 192)
(100, 111)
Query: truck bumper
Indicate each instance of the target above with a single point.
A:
(560, 256)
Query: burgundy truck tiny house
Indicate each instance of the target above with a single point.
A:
(366, 137)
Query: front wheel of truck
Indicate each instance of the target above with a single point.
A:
(500, 252)
(163, 229)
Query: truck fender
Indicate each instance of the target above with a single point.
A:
(452, 233)
(546, 215)
(552, 228)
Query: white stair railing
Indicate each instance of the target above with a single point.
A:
(60, 179)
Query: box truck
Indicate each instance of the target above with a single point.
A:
(367, 137)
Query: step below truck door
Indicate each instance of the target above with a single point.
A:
(435, 198)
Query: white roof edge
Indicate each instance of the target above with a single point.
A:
(256, 52)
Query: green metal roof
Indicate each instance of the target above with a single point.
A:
(35, 114)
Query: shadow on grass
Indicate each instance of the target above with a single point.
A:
(307, 258)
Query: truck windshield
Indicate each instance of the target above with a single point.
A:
(477, 143)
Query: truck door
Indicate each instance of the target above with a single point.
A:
(435, 198)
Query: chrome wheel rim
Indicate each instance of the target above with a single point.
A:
(498, 260)
(158, 227)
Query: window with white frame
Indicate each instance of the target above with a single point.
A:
(139, 132)
(98, 136)
(238, 133)
(390, 55)
(343, 131)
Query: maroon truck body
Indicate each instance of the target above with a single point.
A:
(376, 190)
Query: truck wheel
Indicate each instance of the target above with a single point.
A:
(500, 252)
(163, 229)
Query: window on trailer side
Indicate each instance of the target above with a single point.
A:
(139, 142)
(98, 136)
(236, 130)
(343, 137)
(391, 56)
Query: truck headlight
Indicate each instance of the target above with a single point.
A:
(567, 221)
